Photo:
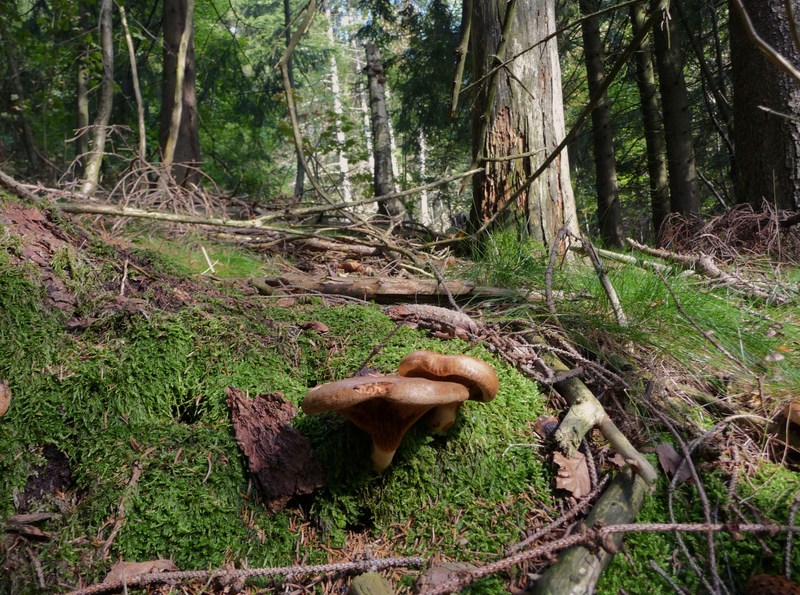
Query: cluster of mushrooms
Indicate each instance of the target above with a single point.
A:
(428, 384)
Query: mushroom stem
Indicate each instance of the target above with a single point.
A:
(381, 457)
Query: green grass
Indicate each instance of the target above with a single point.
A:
(186, 256)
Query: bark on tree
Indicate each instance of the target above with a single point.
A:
(178, 134)
(520, 110)
(767, 143)
(300, 175)
(684, 196)
(609, 214)
(95, 158)
(383, 180)
(651, 117)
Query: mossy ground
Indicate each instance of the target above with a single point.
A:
(147, 389)
(143, 387)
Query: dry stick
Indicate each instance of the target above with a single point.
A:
(771, 53)
(443, 285)
(565, 518)
(787, 561)
(286, 571)
(586, 412)
(593, 538)
(461, 52)
(135, 76)
(661, 572)
(704, 265)
(611, 293)
(578, 569)
(102, 552)
(11, 184)
(687, 460)
(633, 46)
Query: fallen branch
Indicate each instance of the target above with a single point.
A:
(704, 265)
(394, 290)
(579, 568)
(225, 574)
(585, 413)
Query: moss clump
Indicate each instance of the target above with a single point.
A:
(146, 390)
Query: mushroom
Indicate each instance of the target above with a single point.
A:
(384, 407)
(478, 376)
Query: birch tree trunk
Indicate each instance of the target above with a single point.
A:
(95, 158)
(651, 117)
(383, 180)
(82, 97)
(520, 110)
(609, 213)
(338, 110)
(684, 196)
(300, 173)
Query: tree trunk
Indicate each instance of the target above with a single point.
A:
(28, 140)
(95, 158)
(767, 143)
(82, 97)
(343, 164)
(684, 196)
(609, 215)
(178, 135)
(383, 180)
(651, 117)
(300, 175)
(519, 110)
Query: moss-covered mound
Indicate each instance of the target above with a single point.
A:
(118, 423)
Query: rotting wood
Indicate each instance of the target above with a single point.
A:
(579, 568)
(585, 413)
(394, 290)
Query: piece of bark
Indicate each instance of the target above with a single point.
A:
(279, 457)
(394, 290)
(124, 571)
(578, 569)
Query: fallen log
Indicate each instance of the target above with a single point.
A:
(395, 290)
(579, 568)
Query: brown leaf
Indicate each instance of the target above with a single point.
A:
(546, 425)
(315, 325)
(5, 397)
(573, 474)
(670, 461)
(286, 302)
(277, 454)
(124, 571)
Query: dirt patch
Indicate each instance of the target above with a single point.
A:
(52, 476)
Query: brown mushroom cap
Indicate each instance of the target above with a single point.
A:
(478, 376)
(385, 407)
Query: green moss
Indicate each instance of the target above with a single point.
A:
(149, 391)
(186, 257)
(771, 491)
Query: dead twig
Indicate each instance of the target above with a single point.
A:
(227, 574)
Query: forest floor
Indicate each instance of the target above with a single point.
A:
(120, 350)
